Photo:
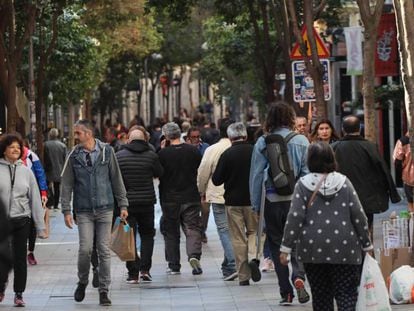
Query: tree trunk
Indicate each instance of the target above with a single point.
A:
(312, 63)
(12, 113)
(368, 80)
(404, 11)
(370, 21)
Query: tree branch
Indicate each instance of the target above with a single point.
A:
(318, 9)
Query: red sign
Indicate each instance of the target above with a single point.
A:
(320, 46)
(386, 53)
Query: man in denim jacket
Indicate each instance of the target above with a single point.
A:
(280, 120)
(92, 173)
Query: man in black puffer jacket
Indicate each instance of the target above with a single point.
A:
(139, 166)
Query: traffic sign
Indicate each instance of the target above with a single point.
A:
(320, 46)
(303, 86)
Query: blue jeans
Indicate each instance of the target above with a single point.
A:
(229, 264)
(98, 223)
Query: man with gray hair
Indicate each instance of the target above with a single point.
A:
(54, 157)
(180, 200)
(233, 170)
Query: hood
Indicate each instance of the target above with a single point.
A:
(332, 184)
(3, 161)
(137, 146)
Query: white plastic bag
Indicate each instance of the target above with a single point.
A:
(372, 293)
(402, 285)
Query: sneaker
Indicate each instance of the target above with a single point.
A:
(18, 300)
(146, 277)
(173, 271)
(95, 278)
(132, 279)
(2, 296)
(286, 300)
(104, 299)
(254, 270)
(80, 292)
(31, 259)
(231, 276)
(244, 283)
(268, 265)
(195, 264)
(303, 295)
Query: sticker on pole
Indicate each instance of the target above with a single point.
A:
(303, 85)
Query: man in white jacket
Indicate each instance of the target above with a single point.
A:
(214, 195)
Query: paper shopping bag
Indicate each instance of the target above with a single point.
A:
(122, 240)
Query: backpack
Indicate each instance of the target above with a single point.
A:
(281, 172)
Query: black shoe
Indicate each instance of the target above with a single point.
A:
(244, 283)
(231, 276)
(254, 270)
(286, 300)
(95, 279)
(80, 292)
(104, 300)
(195, 264)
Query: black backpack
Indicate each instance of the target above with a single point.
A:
(281, 171)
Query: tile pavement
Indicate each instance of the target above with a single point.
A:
(52, 282)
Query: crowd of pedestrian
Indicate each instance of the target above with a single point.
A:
(321, 229)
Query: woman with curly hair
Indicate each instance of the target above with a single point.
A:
(19, 194)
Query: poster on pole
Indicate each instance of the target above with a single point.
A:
(303, 86)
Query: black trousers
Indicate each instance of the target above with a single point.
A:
(20, 228)
(32, 236)
(275, 216)
(329, 282)
(186, 215)
(145, 221)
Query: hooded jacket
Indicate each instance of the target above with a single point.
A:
(139, 165)
(23, 199)
(332, 230)
(95, 187)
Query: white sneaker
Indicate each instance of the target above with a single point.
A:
(268, 265)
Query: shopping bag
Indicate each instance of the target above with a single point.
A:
(122, 240)
(372, 293)
(402, 285)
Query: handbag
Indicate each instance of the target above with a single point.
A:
(372, 293)
(122, 240)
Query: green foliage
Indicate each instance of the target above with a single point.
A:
(77, 62)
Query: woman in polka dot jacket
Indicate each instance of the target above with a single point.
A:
(330, 234)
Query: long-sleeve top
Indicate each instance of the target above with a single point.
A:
(333, 229)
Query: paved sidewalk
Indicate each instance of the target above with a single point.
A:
(52, 282)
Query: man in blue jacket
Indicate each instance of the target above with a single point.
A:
(92, 174)
(280, 120)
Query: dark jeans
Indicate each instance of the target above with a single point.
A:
(19, 233)
(56, 194)
(329, 282)
(188, 216)
(32, 236)
(275, 216)
(146, 230)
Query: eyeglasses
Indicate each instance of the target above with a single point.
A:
(88, 159)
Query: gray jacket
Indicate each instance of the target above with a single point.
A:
(24, 199)
(94, 187)
(333, 229)
(55, 154)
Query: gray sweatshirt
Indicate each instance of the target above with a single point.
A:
(24, 199)
(333, 229)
